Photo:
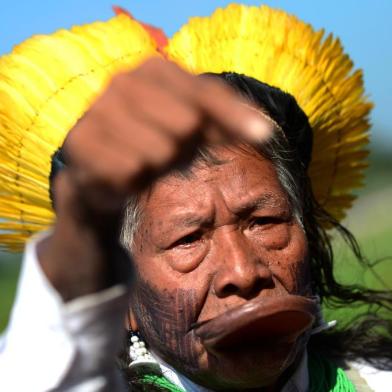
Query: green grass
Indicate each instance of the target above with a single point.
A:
(348, 270)
(371, 224)
(9, 271)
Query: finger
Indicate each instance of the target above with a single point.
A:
(127, 133)
(231, 112)
(220, 102)
(151, 103)
(95, 158)
(151, 146)
(124, 163)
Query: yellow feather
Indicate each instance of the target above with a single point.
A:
(46, 85)
(48, 82)
(280, 50)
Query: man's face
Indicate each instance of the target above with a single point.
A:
(210, 243)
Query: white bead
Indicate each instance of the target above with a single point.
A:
(133, 356)
(138, 352)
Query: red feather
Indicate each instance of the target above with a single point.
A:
(155, 32)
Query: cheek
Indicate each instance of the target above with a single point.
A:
(164, 319)
(178, 260)
(186, 259)
(285, 250)
(292, 266)
(272, 237)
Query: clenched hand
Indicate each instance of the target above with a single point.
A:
(145, 122)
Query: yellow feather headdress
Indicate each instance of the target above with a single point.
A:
(49, 81)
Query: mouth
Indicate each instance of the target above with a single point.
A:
(260, 322)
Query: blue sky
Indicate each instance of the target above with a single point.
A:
(364, 27)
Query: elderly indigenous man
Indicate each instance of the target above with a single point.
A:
(204, 180)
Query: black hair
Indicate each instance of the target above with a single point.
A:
(57, 164)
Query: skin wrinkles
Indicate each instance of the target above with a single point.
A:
(235, 238)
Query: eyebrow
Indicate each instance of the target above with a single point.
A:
(263, 201)
(191, 221)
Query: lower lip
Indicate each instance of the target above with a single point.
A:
(256, 325)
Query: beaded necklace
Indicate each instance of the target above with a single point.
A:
(324, 376)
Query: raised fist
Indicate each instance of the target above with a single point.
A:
(145, 123)
(149, 119)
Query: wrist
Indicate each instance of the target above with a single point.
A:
(77, 263)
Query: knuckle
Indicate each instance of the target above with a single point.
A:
(208, 87)
(77, 138)
(151, 64)
(188, 123)
(170, 151)
(166, 153)
(128, 171)
(98, 106)
(117, 81)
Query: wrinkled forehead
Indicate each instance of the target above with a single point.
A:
(232, 175)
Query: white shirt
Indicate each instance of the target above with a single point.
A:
(51, 345)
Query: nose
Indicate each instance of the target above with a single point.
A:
(241, 271)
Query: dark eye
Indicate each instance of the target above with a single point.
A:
(189, 239)
(265, 220)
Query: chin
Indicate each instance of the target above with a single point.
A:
(247, 367)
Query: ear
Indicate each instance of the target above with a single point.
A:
(131, 321)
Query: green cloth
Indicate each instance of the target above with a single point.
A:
(324, 376)
(160, 381)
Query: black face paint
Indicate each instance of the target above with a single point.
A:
(165, 319)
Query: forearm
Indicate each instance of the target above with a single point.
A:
(76, 265)
(82, 254)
